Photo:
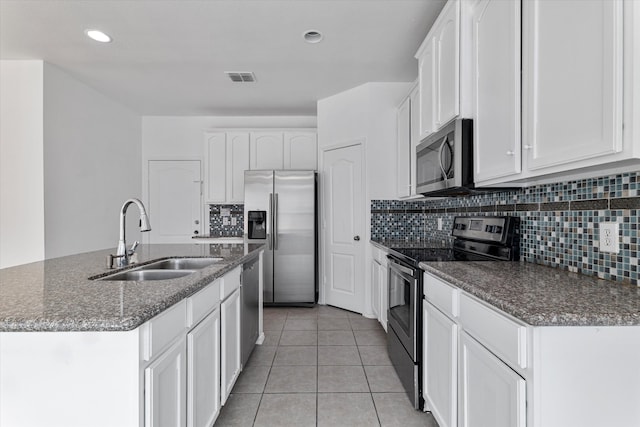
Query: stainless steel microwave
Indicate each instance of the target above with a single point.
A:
(445, 161)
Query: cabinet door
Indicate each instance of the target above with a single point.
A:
(414, 133)
(427, 89)
(492, 394)
(403, 148)
(447, 48)
(375, 288)
(215, 167)
(440, 365)
(230, 342)
(384, 289)
(496, 88)
(267, 150)
(238, 162)
(300, 151)
(203, 350)
(165, 388)
(572, 71)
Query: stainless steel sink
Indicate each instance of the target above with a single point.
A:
(181, 264)
(171, 268)
(147, 274)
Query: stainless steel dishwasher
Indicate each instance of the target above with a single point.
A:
(250, 288)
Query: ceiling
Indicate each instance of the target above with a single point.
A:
(168, 57)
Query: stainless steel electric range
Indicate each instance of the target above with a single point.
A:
(487, 238)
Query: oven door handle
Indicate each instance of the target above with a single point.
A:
(400, 268)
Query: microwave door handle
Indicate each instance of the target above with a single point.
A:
(444, 172)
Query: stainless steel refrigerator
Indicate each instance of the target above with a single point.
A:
(280, 211)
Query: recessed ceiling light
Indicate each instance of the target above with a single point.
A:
(98, 36)
(312, 36)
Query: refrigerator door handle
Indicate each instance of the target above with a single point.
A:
(275, 222)
(270, 235)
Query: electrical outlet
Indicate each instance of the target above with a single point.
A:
(609, 237)
(439, 223)
(234, 221)
(225, 220)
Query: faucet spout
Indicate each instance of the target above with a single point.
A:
(122, 255)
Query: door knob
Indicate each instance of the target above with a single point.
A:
(196, 232)
(356, 238)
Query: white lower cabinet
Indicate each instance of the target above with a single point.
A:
(440, 365)
(379, 286)
(230, 339)
(165, 388)
(375, 288)
(492, 394)
(203, 367)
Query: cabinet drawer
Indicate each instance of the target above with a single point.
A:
(159, 332)
(202, 303)
(442, 295)
(506, 338)
(229, 283)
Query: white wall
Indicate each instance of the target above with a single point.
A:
(365, 112)
(92, 151)
(21, 163)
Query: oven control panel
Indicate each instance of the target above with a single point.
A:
(488, 228)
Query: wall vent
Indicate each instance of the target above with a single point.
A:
(241, 76)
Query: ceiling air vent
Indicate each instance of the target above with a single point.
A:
(241, 76)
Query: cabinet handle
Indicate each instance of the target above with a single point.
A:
(528, 147)
(510, 153)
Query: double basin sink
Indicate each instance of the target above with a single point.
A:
(170, 268)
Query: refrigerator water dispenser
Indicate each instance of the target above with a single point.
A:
(257, 224)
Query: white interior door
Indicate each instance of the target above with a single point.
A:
(174, 200)
(343, 228)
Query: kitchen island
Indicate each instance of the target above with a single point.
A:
(76, 351)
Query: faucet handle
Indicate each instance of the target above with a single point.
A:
(134, 246)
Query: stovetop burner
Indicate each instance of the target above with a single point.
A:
(439, 254)
(476, 239)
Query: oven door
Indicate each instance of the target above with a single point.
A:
(403, 292)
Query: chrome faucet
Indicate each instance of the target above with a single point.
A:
(123, 255)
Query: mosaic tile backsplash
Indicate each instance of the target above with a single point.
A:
(559, 222)
(226, 226)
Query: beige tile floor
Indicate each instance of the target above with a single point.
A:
(320, 366)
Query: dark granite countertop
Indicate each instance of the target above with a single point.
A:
(392, 244)
(540, 295)
(57, 295)
(544, 296)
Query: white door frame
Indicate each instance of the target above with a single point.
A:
(361, 141)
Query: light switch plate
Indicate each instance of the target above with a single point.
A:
(609, 237)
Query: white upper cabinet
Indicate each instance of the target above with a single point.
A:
(407, 139)
(439, 71)
(228, 153)
(226, 159)
(403, 149)
(300, 151)
(447, 43)
(572, 70)
(267, 150)
(237, 163)
(215, 150)
(426, 77)
(495, 85)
